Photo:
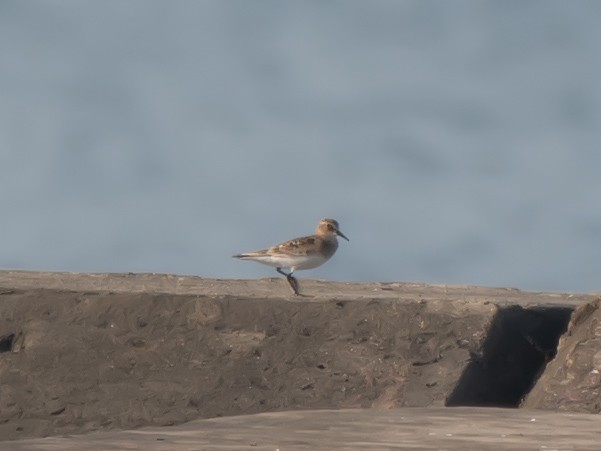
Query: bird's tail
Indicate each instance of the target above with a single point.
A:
(247, 255)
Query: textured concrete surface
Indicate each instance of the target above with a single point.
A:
(352, 430)
(110, 352)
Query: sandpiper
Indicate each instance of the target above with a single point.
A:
(300, 253)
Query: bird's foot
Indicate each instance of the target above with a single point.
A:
(293, 283)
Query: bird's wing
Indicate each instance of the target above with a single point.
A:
(302, 246)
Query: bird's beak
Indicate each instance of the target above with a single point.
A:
(339, 233)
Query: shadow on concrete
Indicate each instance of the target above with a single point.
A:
(519, 344)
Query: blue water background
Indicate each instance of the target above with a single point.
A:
(456, 142)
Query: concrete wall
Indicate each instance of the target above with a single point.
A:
(81, 352)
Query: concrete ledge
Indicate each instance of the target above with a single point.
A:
(86, 352)
(352, 430)
(276, 288)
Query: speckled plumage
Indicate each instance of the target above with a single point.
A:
(300, 253)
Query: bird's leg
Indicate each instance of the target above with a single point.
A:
(293, 283)
(291, 280)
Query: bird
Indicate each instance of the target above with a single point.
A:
(305, 252)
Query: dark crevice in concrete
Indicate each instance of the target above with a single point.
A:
(6, 342)
(519, 344)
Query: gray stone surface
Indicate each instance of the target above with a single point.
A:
(102, 352)
(351, 430)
